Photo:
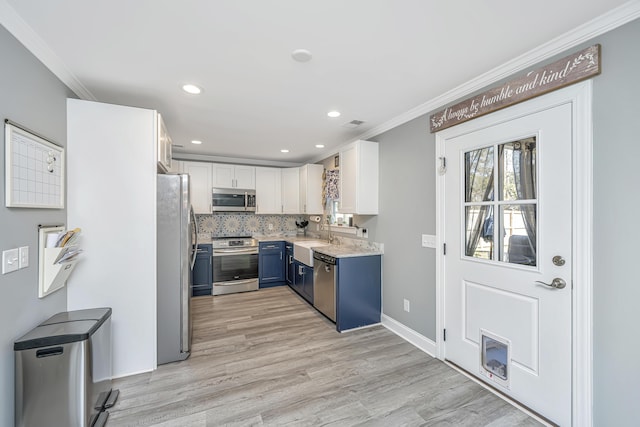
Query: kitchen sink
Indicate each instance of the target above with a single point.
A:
(303, 251)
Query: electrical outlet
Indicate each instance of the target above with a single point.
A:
(24, 257)
(270, 226)
(10, 261)
(365, 234)
(407, 306)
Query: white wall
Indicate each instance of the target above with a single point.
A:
(112, 197)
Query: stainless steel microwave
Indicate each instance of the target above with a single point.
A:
(233, 200)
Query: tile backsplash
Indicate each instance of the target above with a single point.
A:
(246, 224)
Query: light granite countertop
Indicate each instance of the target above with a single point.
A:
(342, 251)
(343, 248)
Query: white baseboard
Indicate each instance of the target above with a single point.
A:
(408, 334)
(129, 374)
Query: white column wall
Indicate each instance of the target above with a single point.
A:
(111, 179)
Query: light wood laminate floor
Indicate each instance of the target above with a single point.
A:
(268, 358)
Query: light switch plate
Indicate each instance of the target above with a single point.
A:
(24, 257)
(428, 241)
(10, 261)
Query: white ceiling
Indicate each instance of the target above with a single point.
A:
(373, 60)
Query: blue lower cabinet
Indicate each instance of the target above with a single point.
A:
(289, 267)
(358, 292)
(303, 280)
(202, 274)
(271, 264)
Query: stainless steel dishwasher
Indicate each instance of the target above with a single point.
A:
(325, 273)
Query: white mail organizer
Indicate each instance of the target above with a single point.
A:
(56, 262)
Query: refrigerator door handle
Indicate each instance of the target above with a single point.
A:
(195, 243)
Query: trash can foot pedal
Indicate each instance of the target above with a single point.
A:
(111, 400)
(101, 420)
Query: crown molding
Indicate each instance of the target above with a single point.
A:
(598, 26)
(179, 155)
(13, 22)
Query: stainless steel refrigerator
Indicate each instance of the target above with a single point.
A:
(176, 251)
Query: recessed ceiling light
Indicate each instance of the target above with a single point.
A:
(333, 114)
(301, 55)
(284, 151)
(192, 89)
(319, 146)
(195, 141)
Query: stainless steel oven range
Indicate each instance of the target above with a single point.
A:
(235, 265)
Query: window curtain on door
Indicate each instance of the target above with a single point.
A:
(475, 176)
(524, 167)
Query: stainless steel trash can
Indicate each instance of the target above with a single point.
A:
(63, 371)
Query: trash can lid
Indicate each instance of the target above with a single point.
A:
(56, 334)
(100, 314)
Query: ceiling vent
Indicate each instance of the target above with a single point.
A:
(353, 124)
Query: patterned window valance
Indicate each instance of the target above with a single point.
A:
(331, 185)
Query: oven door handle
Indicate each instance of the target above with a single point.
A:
(235, 251)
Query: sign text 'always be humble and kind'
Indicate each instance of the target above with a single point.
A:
(566, 71)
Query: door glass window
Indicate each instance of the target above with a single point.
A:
(511, 234)
(519, 224)
(479, 175)
(479, 231)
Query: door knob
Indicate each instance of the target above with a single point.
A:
(556, 283)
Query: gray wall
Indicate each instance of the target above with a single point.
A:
(406, 211)
(616, 176)
(32, 96)
(407, 172)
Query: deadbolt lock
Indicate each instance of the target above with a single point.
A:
(558, 260)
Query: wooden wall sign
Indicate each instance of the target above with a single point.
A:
(571, 69)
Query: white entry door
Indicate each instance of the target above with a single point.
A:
(508, 262)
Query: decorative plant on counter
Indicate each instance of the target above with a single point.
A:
(302, 225)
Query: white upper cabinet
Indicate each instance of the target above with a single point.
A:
(163, 143)
(176, 166)
(359, 178)
(291, 191)
(200, 173)
(233, 176)
(311, 189)
(245, 177)
(268, 190)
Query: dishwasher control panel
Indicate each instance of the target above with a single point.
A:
(327, 259)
